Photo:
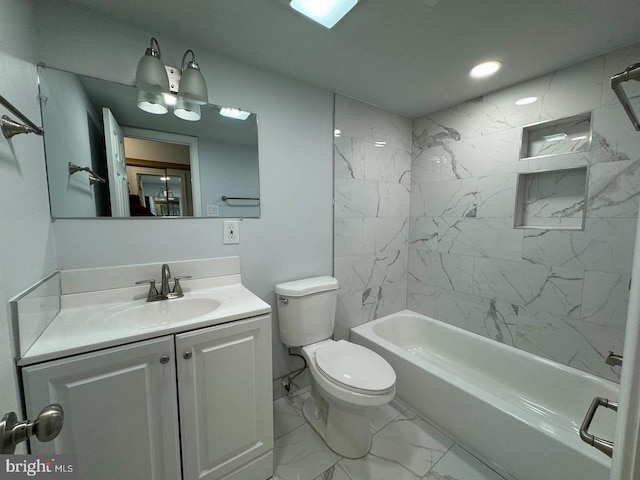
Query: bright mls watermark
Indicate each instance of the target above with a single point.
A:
(44, 467)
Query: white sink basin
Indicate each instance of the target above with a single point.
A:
(143, 314)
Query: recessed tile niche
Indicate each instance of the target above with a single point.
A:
(557, 137)
(553, 199)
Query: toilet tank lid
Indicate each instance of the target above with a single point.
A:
(306, 286)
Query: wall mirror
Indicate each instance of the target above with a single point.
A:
(106, 158)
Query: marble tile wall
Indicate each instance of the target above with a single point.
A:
(371, 212)
(561, 294)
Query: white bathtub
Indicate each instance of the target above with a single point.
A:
(518, 412)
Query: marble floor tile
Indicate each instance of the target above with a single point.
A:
(334, 473)
(302, 455)
(285, 418)
(297, 397)
(458, 464)
(405, 449)
(383, 415)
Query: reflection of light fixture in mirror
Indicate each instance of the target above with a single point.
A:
(325, 12)
(186, 110)
(164, 179)
(578, 138)
(234, 113)
(162, 193)
(337, 132)
(379, 144)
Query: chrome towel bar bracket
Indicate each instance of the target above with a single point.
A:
(10, 127)
(605, 446)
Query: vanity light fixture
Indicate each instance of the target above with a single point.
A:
(485, 69)
(234, 113)
(325, 12)
(160, 86)
(526, 101)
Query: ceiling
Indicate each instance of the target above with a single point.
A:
(405, 56)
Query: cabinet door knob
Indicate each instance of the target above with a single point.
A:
(187, 355)
(164, 359)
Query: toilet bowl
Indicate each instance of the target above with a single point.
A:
(347, 380)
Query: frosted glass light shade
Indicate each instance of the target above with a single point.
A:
(187, 110)
(193, 86)
(151, 103)
(151, 75)
(325, 12)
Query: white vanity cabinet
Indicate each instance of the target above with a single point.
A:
(133, 412)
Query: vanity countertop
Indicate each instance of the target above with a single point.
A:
(97, 320)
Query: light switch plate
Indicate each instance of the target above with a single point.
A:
(213, 211)
(231, 233)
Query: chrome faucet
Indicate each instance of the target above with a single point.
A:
(166, 275)
(165, 293)
(613, 359)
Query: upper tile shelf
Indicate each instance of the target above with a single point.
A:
(557, 137)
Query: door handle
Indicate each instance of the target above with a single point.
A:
(45, 427)
(605, 446)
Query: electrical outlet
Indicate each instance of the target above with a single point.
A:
(213, 211)
(231, 232)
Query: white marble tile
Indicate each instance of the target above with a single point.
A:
(458, 464)
(581, 345)
(405, 449)
(606, 245)
(427, 164)
(486, 317)
(497, 196)
(559, 162)
(356, 198)
(614, 189)
(450, 272)
(349, 157)
(491, 154)
(605, 299)
(538, 287)
(385, 414)
(453, 198)
(387, 164)
(480, 237)
(452, 124)
(350, 237)
(285, 418)
(423, 232)
(296, 398)
(356, 273)
(334, 473)
(393, 200)
(614, 137)
(387, 233)
(573, 90)
(616, 62)
(421, 298)
(357, 119)
(302, 455)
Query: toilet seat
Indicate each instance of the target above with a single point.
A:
(355, 368)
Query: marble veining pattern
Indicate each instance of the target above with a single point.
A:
(404, 446)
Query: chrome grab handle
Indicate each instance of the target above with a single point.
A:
(605, 446)
(46, 427)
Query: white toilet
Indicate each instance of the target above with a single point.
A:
(346, 378)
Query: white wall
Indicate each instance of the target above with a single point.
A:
(293, 237)
(27, 248)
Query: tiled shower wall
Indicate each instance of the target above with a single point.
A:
(560, 294)
(372, 181)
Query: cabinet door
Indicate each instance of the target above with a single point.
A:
(120, 408)
(224, 385)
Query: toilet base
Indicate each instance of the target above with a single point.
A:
(344, 430)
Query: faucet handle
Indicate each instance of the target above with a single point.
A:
(177, 288)
(152, 286)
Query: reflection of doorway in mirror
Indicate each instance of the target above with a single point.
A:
(159, 176)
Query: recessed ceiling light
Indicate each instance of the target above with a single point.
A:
(325, 12)
(526, 100)
(485, 69)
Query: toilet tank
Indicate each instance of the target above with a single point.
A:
(306, 310)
